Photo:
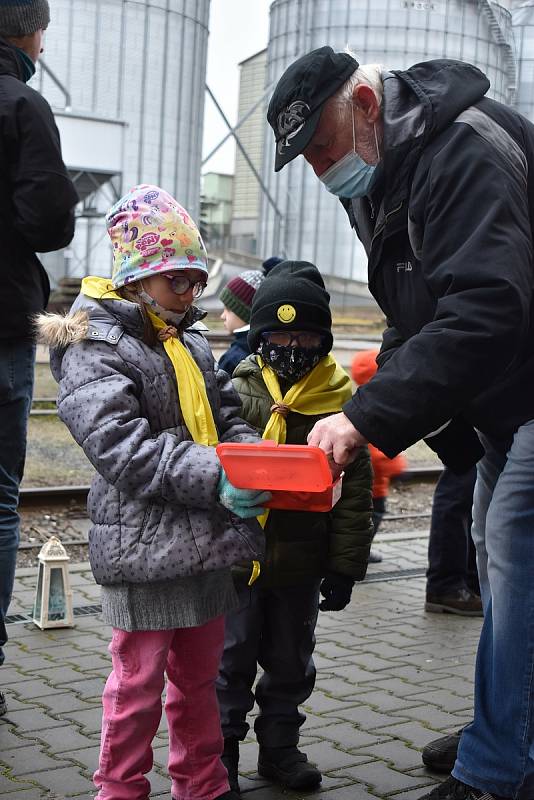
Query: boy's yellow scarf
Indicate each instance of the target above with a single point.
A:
(323, 390)
(194, 403)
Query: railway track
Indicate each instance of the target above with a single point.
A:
(54, 495)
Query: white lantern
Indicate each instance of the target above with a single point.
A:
(53, 599)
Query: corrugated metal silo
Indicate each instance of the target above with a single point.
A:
(396, 33)
(523, 26)
(142, 62)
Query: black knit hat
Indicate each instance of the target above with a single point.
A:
(291, 298)
(23, 17)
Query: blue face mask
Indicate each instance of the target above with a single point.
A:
(351, 176)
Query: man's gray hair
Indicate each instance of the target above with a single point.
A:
(366, 74)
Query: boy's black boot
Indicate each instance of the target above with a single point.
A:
(230, 759)
(289, 767)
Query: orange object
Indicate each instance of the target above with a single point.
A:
(384, 469)
(298, 476)
(364, 366)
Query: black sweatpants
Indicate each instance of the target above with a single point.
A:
(275, 629)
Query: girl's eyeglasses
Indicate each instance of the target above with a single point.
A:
(180, 284)
(306, 340)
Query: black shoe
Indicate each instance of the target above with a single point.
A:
(452, 789)
(440, 754)
(461, 602)
(225, 796)
(230, 759)
(288, 766)
(3, 704)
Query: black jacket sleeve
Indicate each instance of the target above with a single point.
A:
(477, 262)
(43, 196)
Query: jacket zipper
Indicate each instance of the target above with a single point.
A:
(384, 223)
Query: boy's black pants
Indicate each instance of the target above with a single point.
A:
(272, 628)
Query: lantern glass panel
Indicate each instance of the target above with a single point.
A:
(38, 596)
(57, 607)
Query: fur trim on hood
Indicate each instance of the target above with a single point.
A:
(59, 330)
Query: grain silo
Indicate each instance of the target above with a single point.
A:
(396, 33)
(139, 64)
(523, 26)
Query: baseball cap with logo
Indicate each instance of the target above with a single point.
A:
(298, 99)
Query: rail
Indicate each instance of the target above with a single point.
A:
(50, 495)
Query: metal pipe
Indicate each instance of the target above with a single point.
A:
(63, 89)
(252, 168)
(238, 124)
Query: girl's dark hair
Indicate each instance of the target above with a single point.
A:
(149, 334)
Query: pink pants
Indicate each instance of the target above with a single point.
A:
(132, 713)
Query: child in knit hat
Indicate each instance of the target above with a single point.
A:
(141, 393)
(237, 297)
(290, 382)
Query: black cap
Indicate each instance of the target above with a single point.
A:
(300, 94)
(292, 297)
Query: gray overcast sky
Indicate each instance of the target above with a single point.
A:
(238, 29)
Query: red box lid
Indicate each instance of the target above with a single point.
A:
(275, 467)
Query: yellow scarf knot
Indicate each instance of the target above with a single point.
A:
(280, 408)
(167, 333)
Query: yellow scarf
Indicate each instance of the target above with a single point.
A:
(323, 390)
(194, 403)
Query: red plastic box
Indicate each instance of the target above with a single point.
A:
(298, 476)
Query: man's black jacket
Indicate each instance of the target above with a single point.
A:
(37, 197)
(448, 232)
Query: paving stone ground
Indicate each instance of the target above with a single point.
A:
(390, 678)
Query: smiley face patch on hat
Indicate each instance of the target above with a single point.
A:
(286, 313)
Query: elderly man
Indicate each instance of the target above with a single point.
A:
(434, 178)
(36, 208)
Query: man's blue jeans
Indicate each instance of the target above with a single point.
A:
(496, 752)
(17, 359)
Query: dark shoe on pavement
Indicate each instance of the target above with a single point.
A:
(3, 704)
(452, 789)
(375, 557)
(225, 796)
(460, 602)
(440, 754)
(289, 767)
(230, 759)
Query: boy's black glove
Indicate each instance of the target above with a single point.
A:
(336, 590)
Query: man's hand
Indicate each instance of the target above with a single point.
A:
(338, 437)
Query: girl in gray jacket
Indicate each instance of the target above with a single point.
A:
(140, 392)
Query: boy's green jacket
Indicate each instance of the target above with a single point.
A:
(301, 545)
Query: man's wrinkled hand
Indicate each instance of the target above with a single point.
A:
(338, 437)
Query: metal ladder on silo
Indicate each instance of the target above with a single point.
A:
(501, 40)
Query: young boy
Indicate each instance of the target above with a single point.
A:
(237, 297)
(288, 383)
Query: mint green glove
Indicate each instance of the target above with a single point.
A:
(243, 503)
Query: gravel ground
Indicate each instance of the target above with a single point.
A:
(70, 523)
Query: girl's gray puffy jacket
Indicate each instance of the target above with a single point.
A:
(153, 502)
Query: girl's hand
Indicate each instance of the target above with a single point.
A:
(243, 503)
